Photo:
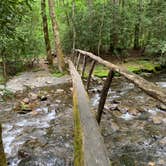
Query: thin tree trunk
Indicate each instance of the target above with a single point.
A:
(114, 35)
(4, 65)
(137, 27)
(73, 25)
(2, 153)
(46, 33)
(60, 56)
(100, 32)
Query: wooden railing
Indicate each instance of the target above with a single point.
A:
(148, 87)
(89, 149)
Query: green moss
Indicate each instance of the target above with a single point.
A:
(101, 71)
(56, 73)
(2, 80)
(78, 142)
(139, 66)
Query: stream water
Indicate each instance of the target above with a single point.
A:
(133, 126)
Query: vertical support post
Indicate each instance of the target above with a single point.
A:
(90, 74)
(73, 55)
(104, 94)
(84, 66)
(78, 61)
(75, 59)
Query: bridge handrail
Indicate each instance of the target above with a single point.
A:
(148, 87)
(88, 143)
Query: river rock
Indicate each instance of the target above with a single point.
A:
(33, 96)
(122, 109)
(162, 142)
(151, 164)
(59, 91)
(162, 107)
(26, 100)
(43, 98)
(157, 119)
(133, 111)
(114, 126)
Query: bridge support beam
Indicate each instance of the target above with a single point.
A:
(83, 66)
(104, 94)
(90, 74)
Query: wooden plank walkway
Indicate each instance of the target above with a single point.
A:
(89, 145)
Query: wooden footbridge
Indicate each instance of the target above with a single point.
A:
(89, 146)
(89, 149)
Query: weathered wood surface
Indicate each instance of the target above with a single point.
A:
(2, 154)
(84, 66)
(90, 74)
(148, 87)
(78, 61)
(92, 147)
(104, 94)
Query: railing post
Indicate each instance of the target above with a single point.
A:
(104, 94)
(75, 58)
(78, 61)
(90, 74)
(84, 66)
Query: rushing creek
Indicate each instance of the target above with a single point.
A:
(133, 125)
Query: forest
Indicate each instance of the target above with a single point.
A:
(113, 28)
(38, 41)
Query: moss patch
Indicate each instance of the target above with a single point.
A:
(56, 73)
(139, 66)
(101, 71)
(78, 142)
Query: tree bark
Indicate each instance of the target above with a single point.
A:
(46, 33)
(60, 56)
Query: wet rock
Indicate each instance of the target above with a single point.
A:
(151, 164)
(58, 101)
(43, 98)
(161, 162)
(33, 96)
(157, 119)
(122, 109)
(48, 82)
(26, 100)
(25, 108)
(133, 111)
(114, 126)
(162, 142)
(59, 91)
(162, 107)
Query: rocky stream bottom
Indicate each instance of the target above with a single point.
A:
(38, 125)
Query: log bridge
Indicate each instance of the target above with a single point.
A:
(88, 142)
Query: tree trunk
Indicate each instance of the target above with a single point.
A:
(73, 25)
(46, 33)
(113, 35)
(2, 154)
(137, 27)
(60, 56)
